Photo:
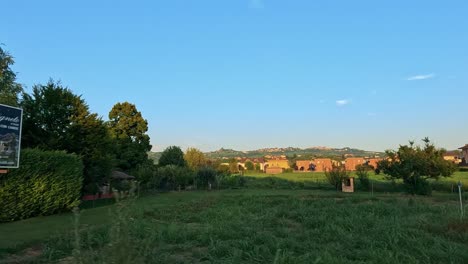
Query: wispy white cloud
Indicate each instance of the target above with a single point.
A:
(420, 77)
(256, 4)
(372, 114)
(342, 102)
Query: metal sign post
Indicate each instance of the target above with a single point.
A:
(10, 136)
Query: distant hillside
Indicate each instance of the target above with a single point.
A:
(289, 151)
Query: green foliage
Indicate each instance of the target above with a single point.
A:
(47, 182)
(233, 166)
(56, 119)
(257, 167)
(415, 165)
(362, 172)
(171, 177)
(205, 176)
(225, 181)
(172, 155)
(144, 172)
(195, 159)
(336, 176)
(48, 114)
(128, 129)
(9, 88)
(249, 165)
(223, 169)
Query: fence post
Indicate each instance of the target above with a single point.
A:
(461, 201)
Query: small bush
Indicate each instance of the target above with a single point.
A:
(336, 176)
(144, 172)
(362, 172)
(47, 182)
(171, 177)
(231, 181)
(205, 176)
(223, 169)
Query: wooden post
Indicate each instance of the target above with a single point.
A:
(461, 201)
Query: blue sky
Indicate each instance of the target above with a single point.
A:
(247, 74)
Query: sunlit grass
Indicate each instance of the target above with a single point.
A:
(259, 226)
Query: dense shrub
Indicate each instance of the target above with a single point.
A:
(223, 169)
(362, 172)
(225, 181)
(144, 172)
(171, 177)
(336, 176)
(47, 182)
(205, 176)
(415, 165)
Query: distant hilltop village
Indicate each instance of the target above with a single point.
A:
(319, 151)
(279, 164)
(317, 159)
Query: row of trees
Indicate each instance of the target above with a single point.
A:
(414, 165)
(54, 118)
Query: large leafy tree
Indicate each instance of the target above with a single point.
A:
(9, 88)
(415, 165)
(49, 113)
(195, 158)
(172, 155)
(128, 129)
(57, 119)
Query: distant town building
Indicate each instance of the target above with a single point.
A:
(351, 163)
(257, 162)
(322, 165)
(464, 154)
(373, 162)
(453, 156)
(303, 165)
(279, 162)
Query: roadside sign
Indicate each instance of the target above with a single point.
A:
(11, 119)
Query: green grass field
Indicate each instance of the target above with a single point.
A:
(319, 178)
(248, 226)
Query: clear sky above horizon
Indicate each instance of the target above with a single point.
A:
(248, 74)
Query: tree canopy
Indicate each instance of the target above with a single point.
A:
(128, 129)
(195, 158)
(415, 164)
(9, 88)
(56, 119)
(172, 155)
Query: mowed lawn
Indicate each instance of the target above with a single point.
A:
(249, 226)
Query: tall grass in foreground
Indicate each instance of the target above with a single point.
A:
(272, 228)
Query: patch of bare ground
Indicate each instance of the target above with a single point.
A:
(29, 255)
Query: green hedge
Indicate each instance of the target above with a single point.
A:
(47, 182)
